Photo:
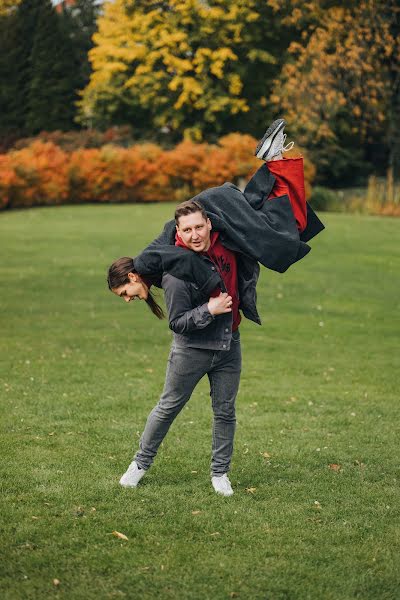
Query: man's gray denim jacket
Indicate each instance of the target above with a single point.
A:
(192, 323)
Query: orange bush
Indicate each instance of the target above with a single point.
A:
(193, 167)
(180, 163)
(216, 168)
(36, 175)
(241, 149)
(43, 173)
(7, 179)
(112, 174)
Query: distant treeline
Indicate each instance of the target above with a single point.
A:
(179, 69)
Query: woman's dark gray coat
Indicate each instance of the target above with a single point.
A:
(256, 229)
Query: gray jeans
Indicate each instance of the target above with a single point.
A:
(186, 366)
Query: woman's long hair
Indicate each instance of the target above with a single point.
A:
(118, 275)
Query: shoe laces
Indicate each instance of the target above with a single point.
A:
(289, 146)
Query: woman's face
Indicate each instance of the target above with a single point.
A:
(135, 289)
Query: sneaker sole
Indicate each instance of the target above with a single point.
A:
(265, 144)
(127, 483)
(228, 495)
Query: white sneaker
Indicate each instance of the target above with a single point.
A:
(132, 476)
(272, 144)
(222, 485)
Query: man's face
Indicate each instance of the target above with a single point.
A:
(194, 231)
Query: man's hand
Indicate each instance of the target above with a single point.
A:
(220, 305)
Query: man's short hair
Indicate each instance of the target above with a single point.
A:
(188, 208)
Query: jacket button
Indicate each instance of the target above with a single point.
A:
(226, 330)
(212, 268)
(224, 346)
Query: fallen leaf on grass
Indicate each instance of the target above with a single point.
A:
(35, 518)
(251, 490)
(233, 595)
(215, 533)
(317, 505)
(194, 472)
(335, 467)
(265, 454)
(119, 535)
(56, 582)
(196, 512)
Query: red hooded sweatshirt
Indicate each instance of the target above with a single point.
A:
(225, 262)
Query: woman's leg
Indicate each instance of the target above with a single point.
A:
(289, 180)
(186, 366)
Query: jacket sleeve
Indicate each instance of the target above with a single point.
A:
(182, 316)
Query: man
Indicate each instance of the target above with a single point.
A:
(206, 341)
(205, 322)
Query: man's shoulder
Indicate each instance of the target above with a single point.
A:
(169, 280)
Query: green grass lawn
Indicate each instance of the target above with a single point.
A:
(315, 513)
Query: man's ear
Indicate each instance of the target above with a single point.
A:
(209, 224)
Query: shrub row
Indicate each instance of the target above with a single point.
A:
(119, 135)
(45, 174)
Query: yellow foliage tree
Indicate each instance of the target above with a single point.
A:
(177, 63)
(7, 6)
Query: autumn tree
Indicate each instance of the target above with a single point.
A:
(9, 119)
(19, 27)
(8, 6)
(43, 64)
(51, 94)
(79, 22)
(341, 87)
(195, 67)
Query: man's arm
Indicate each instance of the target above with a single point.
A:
(183, 318)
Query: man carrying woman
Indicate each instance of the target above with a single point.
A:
(206, 261)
